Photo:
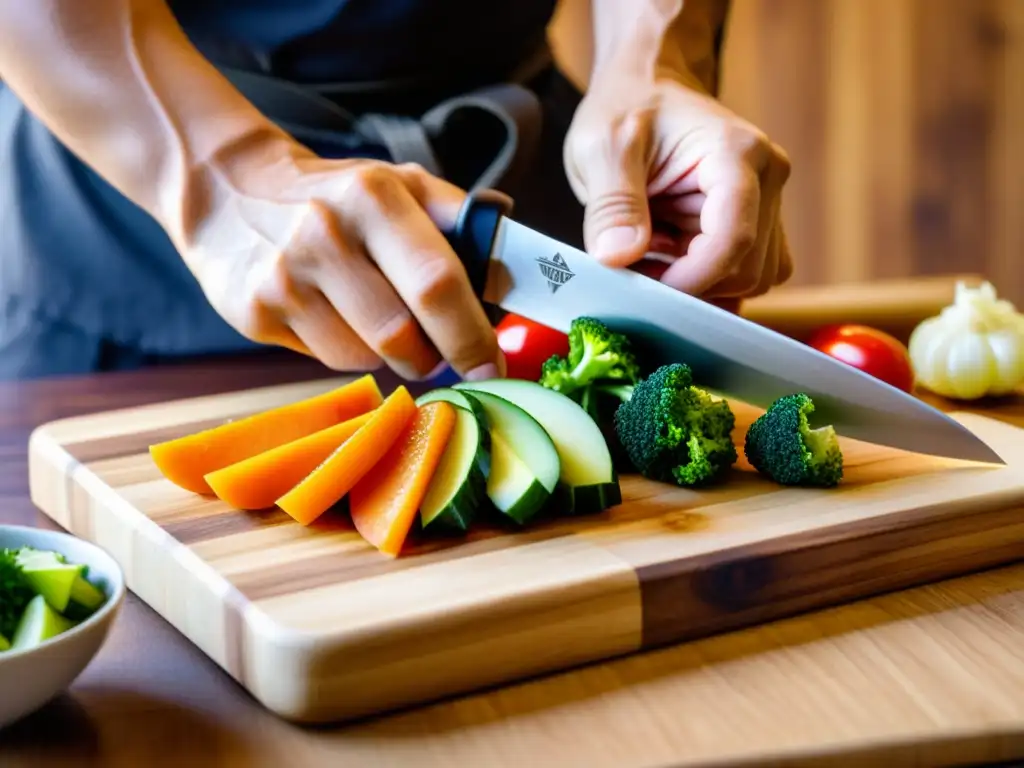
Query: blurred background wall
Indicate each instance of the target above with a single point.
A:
(904, 120)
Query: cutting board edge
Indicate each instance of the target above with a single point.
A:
(68, 493)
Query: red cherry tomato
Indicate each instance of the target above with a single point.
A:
(873, 351)
(527, 344)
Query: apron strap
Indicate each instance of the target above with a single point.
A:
(509, 114)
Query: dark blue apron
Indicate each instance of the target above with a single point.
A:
(88, 281)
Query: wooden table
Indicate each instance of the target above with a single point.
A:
(929, 676)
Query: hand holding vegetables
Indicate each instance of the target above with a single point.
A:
(973, 348)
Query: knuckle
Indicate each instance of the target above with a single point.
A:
(760, 287)
(746, 141)
(633, 126)
(736, 285)
(302, 253)
(317, 240)
(373, 184)
(625, 131)
(256, 320)
(468, 350)
(411, 168)
(781, 163)
(439, 284)
(748, 279)
(354, 357)
(271, 286)
(744, 238)
(394, 335)
(785, 271)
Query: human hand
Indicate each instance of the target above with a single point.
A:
(342, 260)
(662, 166)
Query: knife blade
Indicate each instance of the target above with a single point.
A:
(528, 273)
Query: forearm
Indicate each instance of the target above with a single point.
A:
(118, 82)
(654, 38)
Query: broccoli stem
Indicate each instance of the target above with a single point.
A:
(818, 441)
(622, 391)
(589, 368)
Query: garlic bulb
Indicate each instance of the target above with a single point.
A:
(973, 348)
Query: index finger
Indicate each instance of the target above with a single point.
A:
(728, 222)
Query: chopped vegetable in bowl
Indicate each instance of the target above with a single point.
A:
(42, 595)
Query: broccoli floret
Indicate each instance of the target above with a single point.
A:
(674, 431)
(15, 592)
(598, 372)
(596, 355)
(781, 445)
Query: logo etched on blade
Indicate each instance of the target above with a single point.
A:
(555, 271)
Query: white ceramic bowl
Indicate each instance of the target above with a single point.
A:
(30, 678)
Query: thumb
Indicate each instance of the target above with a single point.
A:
(617, 219)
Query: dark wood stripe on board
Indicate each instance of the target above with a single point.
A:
(220, 525)
(333, 568)
(765, 581)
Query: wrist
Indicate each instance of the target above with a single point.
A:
(659, 40)
(238, 165)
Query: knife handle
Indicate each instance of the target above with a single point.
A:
(472, 237)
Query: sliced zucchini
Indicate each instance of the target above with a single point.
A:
(588, 482)
(38, 624)
(458, 488)
(457, 398)
(86, 598)
(524, 462)
(512, 487)
(63, 585)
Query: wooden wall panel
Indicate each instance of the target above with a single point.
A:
(904, 120)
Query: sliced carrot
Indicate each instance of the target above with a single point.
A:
(326, 485)
(186, 461)
(259, 481)
(384, 503)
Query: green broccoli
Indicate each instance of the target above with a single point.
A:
(598, 372)
(673, 430)
(781, 445)
(15, 592)
(596, 356)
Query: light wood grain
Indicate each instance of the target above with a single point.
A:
(318, 626)
(896, 305)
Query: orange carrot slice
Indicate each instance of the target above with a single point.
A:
(384, 503)
(185, 461)
(259, 481)
(326, 485)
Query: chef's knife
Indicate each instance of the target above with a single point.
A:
(525, 272)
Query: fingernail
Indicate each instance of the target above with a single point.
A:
(482, 372)
(612, 242)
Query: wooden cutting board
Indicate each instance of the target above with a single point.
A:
(318, 626)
